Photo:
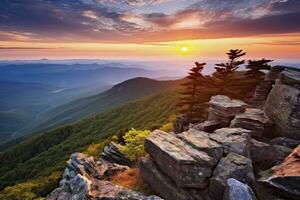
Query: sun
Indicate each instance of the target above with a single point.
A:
(184, 49)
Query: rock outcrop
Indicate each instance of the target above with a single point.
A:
(254, 120)
(223, 109)
(111, 153)
(283, 104)
(185, 165)
(263, 89)
(286, 176)
(83, 179)
(237, 190)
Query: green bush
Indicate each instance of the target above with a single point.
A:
(134, 144)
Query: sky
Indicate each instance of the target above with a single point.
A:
(148, 29)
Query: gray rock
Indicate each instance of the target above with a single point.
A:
(287, 142)
(237, 190)
(187, 166)
(254, 120)
(81, 181)
(200, 140)
(235, 140)
(283, 106)
(223, 109)
(232, 166)
(80, 163)
(207, 126)
(111, 153)
(164, 185)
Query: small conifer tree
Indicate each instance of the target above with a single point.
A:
(224, 69)
(193, 96)
(255, 67)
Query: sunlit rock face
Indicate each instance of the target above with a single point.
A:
(286, 176)
(283, 104)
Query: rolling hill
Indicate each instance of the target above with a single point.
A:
(29, 91)
(126, 91)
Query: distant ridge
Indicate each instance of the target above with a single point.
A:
(126, 91)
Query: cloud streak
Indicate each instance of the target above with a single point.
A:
(132, 21)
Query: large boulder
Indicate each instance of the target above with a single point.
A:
(223, 109)
(232, 166)
(286, 176)
(187, 166)
(163, 185)
(254, 120)
(283, 104)
(200, 140)
(112, 154)
(235, 140)
(237, 190)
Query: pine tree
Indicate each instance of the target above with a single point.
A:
(224, 69)
(255, 67)
(193, 96)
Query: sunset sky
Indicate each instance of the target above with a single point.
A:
(148, 29)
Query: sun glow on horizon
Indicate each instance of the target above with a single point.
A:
(184, 49)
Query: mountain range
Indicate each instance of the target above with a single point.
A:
(33, 95)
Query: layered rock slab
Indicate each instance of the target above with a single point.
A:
(235, 140)
(232, 166)
(201, 141)
(187, 166)
(112, 153)
(223, 109)
(254, 120)
(163, 185)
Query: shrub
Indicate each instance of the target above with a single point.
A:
(131, 179)
(134, 144)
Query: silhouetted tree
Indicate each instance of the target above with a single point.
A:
(224, 69)
(194, 94)
(255, 67)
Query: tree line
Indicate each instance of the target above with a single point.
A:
(198, 88)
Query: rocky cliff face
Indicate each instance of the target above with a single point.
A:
(283, 104)
(220, 158)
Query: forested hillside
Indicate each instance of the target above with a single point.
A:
(129, 90)
(36, 163)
